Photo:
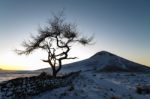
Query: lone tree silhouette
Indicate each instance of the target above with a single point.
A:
(56, 39)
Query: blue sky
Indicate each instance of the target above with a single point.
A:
(120, 26)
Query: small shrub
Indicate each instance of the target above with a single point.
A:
(76, 94)
(132, 74)
(143, 89)
(138, 90)
(71, 88)
(94, 74)
(116, 97)
(111, 89)
(43, 74)
(63, 94)
(84, 85)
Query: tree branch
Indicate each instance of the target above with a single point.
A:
(71, 58)
(44, 60)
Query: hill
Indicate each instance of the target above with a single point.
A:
(103, 61)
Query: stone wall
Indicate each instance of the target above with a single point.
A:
(21, 87)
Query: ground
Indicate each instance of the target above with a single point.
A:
(96, 85)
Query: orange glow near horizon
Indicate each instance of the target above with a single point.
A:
(12, 68)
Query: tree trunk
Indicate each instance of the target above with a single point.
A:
(59, 67)
(54, 73)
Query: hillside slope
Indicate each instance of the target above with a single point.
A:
(103, 61)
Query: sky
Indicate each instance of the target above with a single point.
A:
(119, 26)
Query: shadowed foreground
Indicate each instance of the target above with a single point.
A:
(21, 87)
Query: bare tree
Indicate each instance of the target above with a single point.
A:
(56, 39)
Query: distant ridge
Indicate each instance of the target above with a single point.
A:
(104, 61)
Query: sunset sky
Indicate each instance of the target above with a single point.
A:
(119, 26)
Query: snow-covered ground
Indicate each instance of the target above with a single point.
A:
(95, 85)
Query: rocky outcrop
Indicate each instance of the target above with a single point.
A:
(20, 88)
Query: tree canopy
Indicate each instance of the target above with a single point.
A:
(56, 39)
